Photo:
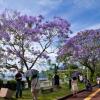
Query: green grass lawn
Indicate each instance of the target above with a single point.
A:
(63, 91)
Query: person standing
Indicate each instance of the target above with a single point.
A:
(98, 81)
(81, 78)
(87, 84)
(56, 80)
(18, 78)
(74, 86)
(35, 86)
(69, 82)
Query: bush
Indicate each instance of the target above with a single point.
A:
(1, 83)
(11, 84)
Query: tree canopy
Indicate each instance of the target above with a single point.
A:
(83, 48)
(27, 38)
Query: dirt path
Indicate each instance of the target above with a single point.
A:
(95, 95)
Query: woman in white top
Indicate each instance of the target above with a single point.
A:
(74, 86)
(81, 78)
(98, 81)
(35, 87)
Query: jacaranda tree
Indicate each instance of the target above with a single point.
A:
(83, 48)
(28, 38)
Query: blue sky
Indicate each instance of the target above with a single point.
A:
(82, 14)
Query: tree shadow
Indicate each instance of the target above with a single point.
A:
(8, 98)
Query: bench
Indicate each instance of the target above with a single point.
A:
(46, 89)
(46, 86)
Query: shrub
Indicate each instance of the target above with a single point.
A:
(11, 84)
(1, 83)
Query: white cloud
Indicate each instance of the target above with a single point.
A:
(31, 7)
(84, 3)
(48, 3)
(75, 28)
(96, 26)
(37, 7)
(80, 6)
(46, 6)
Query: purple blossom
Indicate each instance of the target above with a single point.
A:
(31, 28)
(82, 46)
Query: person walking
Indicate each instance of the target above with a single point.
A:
(74, 86)
(18, 78)
(69, 82)
(35, 86)
(98, 81)
(56, 80)
(87, 84)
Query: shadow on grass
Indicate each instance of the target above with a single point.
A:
(8, 99)
(26, 98)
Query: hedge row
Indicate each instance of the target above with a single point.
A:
(10, 84)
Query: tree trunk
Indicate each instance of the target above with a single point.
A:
(91, 75)
(29, 82)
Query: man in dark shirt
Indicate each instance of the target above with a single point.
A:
(56, 80)
(18, 78)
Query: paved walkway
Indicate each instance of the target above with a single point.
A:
(97, 97)
(94, 95)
